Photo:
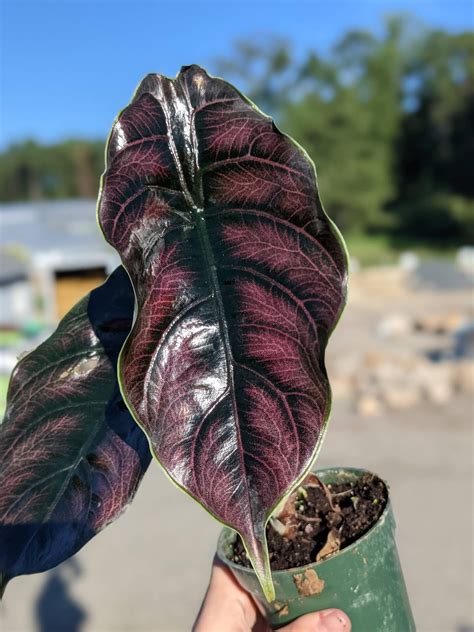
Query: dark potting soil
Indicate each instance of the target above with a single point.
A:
(321, 521)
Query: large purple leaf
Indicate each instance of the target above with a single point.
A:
(71, 456)
(240, 278)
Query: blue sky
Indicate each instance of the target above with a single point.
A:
(67, 67)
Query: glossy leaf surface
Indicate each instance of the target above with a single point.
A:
(240, 278)
(71, 456)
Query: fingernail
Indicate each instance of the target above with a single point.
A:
(334, 621)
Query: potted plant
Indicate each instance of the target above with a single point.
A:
(208, 344)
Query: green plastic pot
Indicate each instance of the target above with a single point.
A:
(365, 580)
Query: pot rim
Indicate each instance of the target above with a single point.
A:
(320, 563)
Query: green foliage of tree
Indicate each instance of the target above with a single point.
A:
(435, 150)
(32, 171)
(388, 120)
(351, 168)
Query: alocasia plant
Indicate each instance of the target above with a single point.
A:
(71, 457)
(239, 278)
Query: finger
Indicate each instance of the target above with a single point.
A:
(323, 621)
(226, 606)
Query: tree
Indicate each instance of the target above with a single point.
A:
(264, 68)
(436, 143)
(32, 171)
(349, 123)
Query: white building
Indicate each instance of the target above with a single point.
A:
(53, 254)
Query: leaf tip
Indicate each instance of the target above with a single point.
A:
(268, 588)
(257, 552)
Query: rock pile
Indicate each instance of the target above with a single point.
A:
(400, 375)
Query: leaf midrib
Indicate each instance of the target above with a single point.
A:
(197, 212)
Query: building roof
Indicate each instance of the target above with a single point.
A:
(59, 225)
(12, 269)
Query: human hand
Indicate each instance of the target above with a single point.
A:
(227, 607)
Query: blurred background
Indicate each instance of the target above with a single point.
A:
(381, 95)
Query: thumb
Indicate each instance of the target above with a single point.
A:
(324, 621)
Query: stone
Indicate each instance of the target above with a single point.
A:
(390, 373)
(408, 261)
(464, 376)
(439, 393)
(465, 260)
(342, 386)
(440, 323)
(374, 358)
(436, 381)
(354, 265)
(401, 396)
(368, 406)
(394, 326)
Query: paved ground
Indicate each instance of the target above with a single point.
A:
(148, 571)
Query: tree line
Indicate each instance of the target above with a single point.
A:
(387, 119)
